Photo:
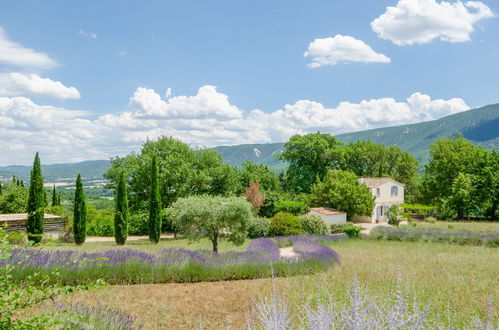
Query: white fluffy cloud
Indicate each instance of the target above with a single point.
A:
(206, 118)
(87, 34)
(15, 54)
(421, 21)
(13, 84)
(330, 51)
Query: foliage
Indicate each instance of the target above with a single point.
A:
(430, 220)
(336, 228)
(13, 198)
(138, 223)
(268, 208)
(463, 177)
(284, 224)
(36, 203)
(154, 205)
(258, 227)
(16, 237)
(213, 217)
(341, 190)
(182, 171)
(100, 222)
(314, 224)
(56, 198)
(295, 208)
(395, 215)
(310, 157)
(251, 172)
(126, 266)
(254, 196)
(79, 213)
(121, 213)
(352, 231)
(424, 210)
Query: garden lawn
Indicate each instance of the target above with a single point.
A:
(457, 280)
(468, 225)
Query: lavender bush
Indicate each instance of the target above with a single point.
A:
(361, 311)
(126, 266)
(440, 235)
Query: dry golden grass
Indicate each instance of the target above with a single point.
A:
(457, 280)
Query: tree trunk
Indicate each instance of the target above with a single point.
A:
(214, 240)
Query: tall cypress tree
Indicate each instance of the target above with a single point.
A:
(54, 197)
(121, 213)
(80, 213)
(36, 203)
(154, 205)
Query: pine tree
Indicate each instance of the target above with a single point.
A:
(54, 197)
(36, 203)
(121, 213)
(80, 213)
(154, 205)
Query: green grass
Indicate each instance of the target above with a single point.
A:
(468, 225)
(146, 246)
(455, 281)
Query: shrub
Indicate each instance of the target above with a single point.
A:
(16, 237)
(285, 224)
(295, 208)
(337, 228)
(430, 220)
(138, 223)
(100, 222)
(258, 227)
(314, 224)
(394, 215)
(352, 231)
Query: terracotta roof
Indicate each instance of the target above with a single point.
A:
(375, 182)
(24, 217)
(326, 210)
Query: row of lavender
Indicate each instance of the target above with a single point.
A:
(439, 235)
(126, 266)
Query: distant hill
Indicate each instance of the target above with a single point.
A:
(89, 170)
(481, 126)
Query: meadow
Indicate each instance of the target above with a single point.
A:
(455, 282)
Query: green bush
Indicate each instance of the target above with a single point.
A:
(295, 208)
(285, 224)
(258, 227)
(352, 231)
(430, 220)
(336, 228)
(394, 215)
(16, 237)
(138, 224)
(314, 224)
(100, 222)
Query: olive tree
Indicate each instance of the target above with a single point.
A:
(213, 217)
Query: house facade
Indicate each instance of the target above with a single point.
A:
(387, 192)
(329, 215)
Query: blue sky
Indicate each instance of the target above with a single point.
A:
(115, 61)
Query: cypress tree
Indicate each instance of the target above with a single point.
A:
(54, 197)
(36, 203)
(80, 213)
(154, 205)
(0, 188)
(121, 213)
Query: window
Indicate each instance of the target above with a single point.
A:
(395, 190)
(377, 192)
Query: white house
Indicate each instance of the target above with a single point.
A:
(387, 192)
(329, 215)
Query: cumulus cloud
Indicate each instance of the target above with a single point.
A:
(421, 21)
(13, 84)
(330, 51)
(15, 54)
(206, 118)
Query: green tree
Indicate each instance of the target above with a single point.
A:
(36, 203)
(54, 197)
(310, 157)
(154, 205)
(13, 199)
(251, 172)
(463, 197)
(341, 190)
(0, 188)
(182, 171)
(121, 212)
(80, 213)
(210, 216)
